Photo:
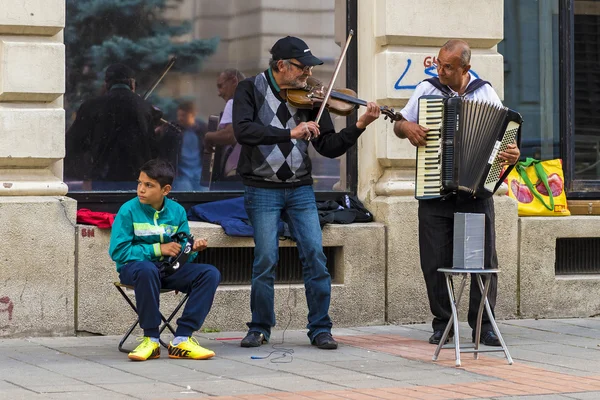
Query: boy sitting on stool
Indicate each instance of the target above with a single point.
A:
(139, 241)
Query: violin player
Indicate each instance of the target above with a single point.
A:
(276, 171)
(112, 135)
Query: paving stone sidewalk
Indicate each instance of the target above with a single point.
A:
(553, 359)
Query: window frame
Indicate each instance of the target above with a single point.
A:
(575, 188)
(111, 201)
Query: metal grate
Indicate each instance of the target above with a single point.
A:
(577, 256)
(235, 264)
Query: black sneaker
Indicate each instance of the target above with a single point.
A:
(253, 339)
(325, 341)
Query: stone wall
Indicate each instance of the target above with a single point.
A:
(38, 224)
(358, 294)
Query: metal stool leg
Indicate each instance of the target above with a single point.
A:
(453, 321)
(166, 321)
(130, 330)
(484, 292)
(488, 310)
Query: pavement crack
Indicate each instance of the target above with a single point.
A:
(22, 387)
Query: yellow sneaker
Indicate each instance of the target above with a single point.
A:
(190, 349)
(145, 350)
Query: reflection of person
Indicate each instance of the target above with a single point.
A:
(139, 241)
(436, 217)
(189, 149)
(115, 130)
(276, 171)
(227, 148)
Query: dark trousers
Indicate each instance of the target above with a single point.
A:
(199, 280)
(436, 229)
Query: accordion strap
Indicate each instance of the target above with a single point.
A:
(473, 86)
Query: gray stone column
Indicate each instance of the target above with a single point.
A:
(398, 40)
(38, 222)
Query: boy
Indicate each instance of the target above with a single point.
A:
(139, 241)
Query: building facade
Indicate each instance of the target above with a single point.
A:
(538, 55)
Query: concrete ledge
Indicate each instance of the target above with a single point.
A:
(358, 298)
(542, 293)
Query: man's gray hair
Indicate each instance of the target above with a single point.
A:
(232, 73)
(465, 56)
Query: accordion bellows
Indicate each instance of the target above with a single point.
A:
(463, 143)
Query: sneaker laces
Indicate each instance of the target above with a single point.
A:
(193, 341)
(145, 341)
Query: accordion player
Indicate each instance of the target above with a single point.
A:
(463, 143)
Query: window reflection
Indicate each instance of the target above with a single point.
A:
(587, 75)
(216, 44)
(531, 74)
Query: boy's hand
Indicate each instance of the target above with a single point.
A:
(170, 249)
(199, 245)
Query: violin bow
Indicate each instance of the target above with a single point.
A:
(157, 80)
(155, 84)
(334, 76)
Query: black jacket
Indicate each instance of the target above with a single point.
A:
(262, 122)
(111, 138)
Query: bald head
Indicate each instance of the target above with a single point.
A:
(453, 45)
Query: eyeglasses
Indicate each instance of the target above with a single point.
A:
(439, 67)
(305, 68)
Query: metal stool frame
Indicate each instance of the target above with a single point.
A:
(453, 321)
(166, 321)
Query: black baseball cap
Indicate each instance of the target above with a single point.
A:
(292, 47)
(118, 72)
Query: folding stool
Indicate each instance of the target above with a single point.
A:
(166, 321)
(484, 304)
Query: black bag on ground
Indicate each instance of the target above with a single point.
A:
(346, 210)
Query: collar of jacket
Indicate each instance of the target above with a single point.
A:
(119, 86)
(151, 210)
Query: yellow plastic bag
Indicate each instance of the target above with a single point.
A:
(538, 186)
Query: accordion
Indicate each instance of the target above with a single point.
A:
(463, 142)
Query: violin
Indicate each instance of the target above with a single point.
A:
(340, 101)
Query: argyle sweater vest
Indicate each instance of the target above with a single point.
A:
(279, 163)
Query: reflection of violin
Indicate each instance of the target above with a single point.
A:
(341, 101)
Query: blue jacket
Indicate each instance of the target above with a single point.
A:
(139, 229)
(231, 215)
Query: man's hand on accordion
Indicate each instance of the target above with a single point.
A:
(415, 133)
(510, 155)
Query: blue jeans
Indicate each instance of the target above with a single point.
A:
(297, 206)
(199, 280)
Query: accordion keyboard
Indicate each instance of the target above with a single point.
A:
(428, 182)
(496, 169)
